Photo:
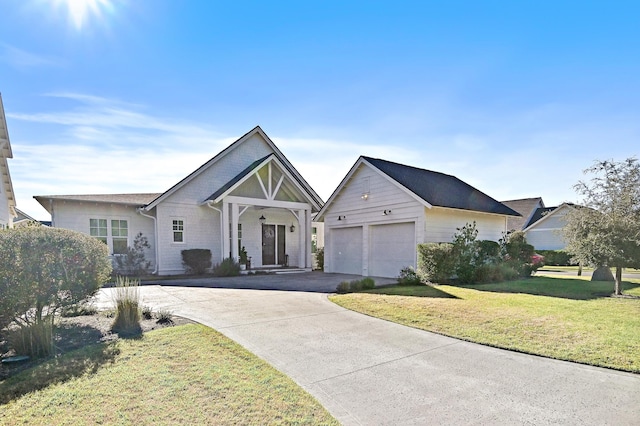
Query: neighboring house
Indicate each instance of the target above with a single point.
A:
(7, 197)
(248, 195)
(382, 210)
(23, 219)
(527, 207)
(544, 230)
(542, 225)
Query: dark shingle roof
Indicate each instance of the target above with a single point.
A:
(129, 199)
(439, 189)
(539, 214)
(526, 207)
(238, 178)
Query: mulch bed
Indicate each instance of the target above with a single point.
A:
(76, 332)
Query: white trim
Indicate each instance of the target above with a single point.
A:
(352, 171)
(546, 216)
(317, 201)
(265, 203)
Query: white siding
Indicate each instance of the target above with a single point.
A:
(441, 224)
(75, 215)
(202, 224)
(546, 234)
(356, 211)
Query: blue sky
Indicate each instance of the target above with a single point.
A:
(515, 98)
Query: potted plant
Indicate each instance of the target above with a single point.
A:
(244, 259)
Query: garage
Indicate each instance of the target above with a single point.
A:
(346, 250)
(391, 248)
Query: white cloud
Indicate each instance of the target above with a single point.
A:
(21, 59)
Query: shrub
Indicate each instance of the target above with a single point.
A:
(488, 252)
(134, 261)
(164, 316)
(227, 268)
(355, 285)
(196, 261)
(147, 312)
(127, 305)
(518, 253)
(79, 309)
(556, 257)
(34, 340)
(409, 276)
(465, 251)
(436, 262)
(45, 269)
(320, 258)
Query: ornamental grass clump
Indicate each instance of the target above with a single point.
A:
(128, 308)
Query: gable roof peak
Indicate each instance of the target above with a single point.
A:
(438, 189)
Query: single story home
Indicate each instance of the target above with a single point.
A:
(382, 210)
(543, 225)
(249, 195)
(7, 197)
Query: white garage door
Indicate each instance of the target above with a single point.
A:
(391, 248)
(346, 250)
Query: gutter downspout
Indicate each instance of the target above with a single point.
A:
(155, 230)
(210, 205)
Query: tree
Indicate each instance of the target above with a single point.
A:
(45, 269)
(605, 230)
(134, 262)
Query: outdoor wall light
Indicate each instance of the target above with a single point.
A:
(365, 196)
(292, 227)
(262, 219)
(342, 217)
(386, 212)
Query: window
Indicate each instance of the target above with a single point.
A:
(314, 239)
(114, 233)
(120, 236)
(178, 230)
(98, 229)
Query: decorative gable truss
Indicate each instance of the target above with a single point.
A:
(266, 185)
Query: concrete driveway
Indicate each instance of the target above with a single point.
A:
(367, 371)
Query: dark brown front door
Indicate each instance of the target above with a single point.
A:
(273, 245)
(268, 244)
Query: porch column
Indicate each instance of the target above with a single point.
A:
(234, 231)
(225, 229)
(302, 240)
(308, 239)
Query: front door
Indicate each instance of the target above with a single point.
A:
(273, 236)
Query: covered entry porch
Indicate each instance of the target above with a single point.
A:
(266, 211)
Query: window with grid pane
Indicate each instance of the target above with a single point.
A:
(120, 236)
(98, 229)
(178, 230)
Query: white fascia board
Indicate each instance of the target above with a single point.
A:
(546, 216)
(270, 159)
(347, 178)
(202, 168)
(247, 201)
(308, 189)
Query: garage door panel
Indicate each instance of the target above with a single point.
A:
(346, 250)
(391, 248)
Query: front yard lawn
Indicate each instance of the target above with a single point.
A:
(569, 319)
(188, 374)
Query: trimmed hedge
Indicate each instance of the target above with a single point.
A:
(556, 257)
(196, 261)
(436, 262)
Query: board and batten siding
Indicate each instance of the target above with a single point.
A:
(75, 215)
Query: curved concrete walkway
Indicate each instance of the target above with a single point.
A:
(367, 371)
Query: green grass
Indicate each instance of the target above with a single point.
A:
(569, 319)
(181, 375)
